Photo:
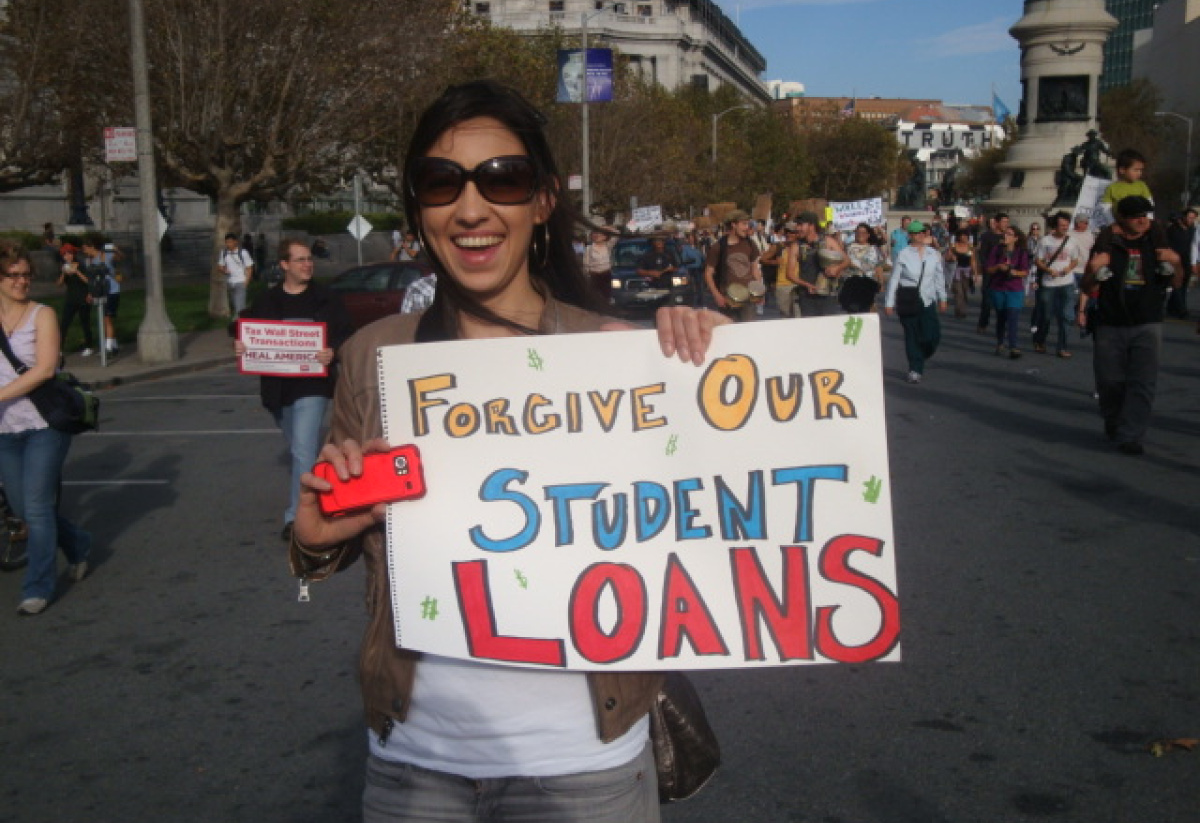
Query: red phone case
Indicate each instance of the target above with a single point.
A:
(387, 477)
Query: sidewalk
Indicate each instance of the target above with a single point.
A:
(197, 350)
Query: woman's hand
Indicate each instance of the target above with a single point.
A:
(687, 332)
(325, 357)
(312, 528)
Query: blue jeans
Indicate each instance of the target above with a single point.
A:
(301, 425)
(1008, 315)
(399, 793)
(237, 296)
(31, 466)
(1059, 303)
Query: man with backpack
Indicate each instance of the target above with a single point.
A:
(732, 265)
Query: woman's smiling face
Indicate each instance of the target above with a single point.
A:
(483, 246)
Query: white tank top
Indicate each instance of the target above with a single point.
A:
(20, 414)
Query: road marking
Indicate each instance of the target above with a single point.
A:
(185, 433)
(173, 397)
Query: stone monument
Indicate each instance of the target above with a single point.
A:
(1062, 43)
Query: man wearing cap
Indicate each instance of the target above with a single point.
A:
(656, 262)
(816, 292)
(1132, 267)
(78, 298)
(918, 267)
(733, 259)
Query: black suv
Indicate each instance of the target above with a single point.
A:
(629, 289)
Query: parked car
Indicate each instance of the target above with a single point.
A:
(629, 289)
(377, 289)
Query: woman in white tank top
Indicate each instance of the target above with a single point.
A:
(31, 452)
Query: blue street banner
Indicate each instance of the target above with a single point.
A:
(573, 80)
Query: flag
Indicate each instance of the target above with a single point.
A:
(1000, 110)
(848, 109)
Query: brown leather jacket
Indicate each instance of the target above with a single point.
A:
(387, 672)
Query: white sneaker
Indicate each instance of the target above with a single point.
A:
(32, 605)
(87, 353)
(914, 377)
(78, 571)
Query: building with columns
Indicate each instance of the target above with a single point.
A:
(671, 42)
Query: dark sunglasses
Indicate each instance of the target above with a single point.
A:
(504, 181)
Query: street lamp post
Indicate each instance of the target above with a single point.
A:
(158, 341)
(1187, 162)
(717, 117)
(583, 113)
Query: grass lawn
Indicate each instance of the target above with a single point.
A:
(187, 306)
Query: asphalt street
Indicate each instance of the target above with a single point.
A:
(1049, 588)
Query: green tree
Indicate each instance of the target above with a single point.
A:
(981, 173)
(852, 159)
(1127, 121)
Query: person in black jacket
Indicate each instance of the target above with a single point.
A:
(1132, 266)
(298, 404)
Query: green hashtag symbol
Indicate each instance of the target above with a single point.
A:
(871, 490)
(521, 581)
(853, 330)
(672, 445)
(429, 609)
(535, 360)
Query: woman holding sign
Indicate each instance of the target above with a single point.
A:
(454, 739)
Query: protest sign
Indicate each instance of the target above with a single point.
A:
(645, 218)
(848, 215)
(594, 505)
(1089, 205)
(282, 349)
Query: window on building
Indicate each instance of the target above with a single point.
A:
(598, 5)
(645, 10)
(483, 8)
(557, 5)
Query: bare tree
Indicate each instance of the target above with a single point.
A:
(253, 101)
(56, 86)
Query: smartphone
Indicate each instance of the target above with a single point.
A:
(387, 477)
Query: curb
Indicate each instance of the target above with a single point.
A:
(153, 373)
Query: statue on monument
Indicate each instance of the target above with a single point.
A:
(1088, 157)
(1091, 151)
(1068, 181)
(912, 194)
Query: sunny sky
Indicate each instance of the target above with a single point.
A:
(952, 50)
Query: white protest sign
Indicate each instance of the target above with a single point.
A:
(593, 505)
(1089, 205)
(848, 215)
(646, 218)
(282, 349)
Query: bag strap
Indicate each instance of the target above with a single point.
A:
(17, 364)
(1061, 246)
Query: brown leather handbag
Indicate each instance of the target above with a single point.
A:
(686, 750)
